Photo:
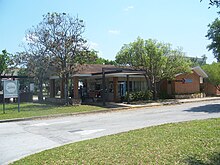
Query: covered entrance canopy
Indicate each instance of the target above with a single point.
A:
(117, 72)
(108, 78)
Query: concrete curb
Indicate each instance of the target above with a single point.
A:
(175, 102)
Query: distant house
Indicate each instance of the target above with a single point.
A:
(185, 85)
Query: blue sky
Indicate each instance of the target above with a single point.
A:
(112, 23)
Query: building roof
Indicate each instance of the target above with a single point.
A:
(200, 71)
(91, 68)
(88, 70)
(109, 70)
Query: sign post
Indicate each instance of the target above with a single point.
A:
(11, 91)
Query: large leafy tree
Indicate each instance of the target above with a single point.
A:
(213, 71)
(56, 42)
(157, 59)
(214, 35)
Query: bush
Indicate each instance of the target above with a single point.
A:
(140, 96)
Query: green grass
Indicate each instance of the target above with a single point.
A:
(34, 109)
(196, 142)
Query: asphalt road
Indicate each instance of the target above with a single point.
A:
(19, 139)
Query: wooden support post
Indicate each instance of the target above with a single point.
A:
(128, 90)
(62, 88)
(52, 88)
(75, 87)
(115, 88)
(103, 87)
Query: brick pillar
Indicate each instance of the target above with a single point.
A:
(115, 88)
(52, 88)
(75, 87)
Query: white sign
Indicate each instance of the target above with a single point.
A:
(32, 87)
(10, 88)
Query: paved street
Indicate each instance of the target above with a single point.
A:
(18, 139)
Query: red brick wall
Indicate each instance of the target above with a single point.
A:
(211, 89)
(163, 86)
(184, 88)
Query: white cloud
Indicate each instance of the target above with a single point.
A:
(128, 8)
(114, 32)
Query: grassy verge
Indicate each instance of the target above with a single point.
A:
(34, 109)
(196, 142)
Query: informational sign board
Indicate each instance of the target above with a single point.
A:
(31, 87)
(10, 88)
(188, 80)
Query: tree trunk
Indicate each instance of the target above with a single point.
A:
(66, 89)
(40, 93)
(154, 87)
(155, 91)
(148, 82)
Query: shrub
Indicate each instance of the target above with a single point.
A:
(140, 96)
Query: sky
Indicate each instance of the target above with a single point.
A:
(112, 23)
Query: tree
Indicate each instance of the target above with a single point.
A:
(198, 61)
(24, 83)
(105, 61)
(213, 3)
(37, 65)
(4, 61)
(37, 58)
(157, 59)
(213, 71)
(214, 35)
(86, 57)
(91, 57)
(56, 41)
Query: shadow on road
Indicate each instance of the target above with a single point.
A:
(211, 108)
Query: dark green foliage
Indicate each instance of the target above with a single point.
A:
(214, 35)
(164, 95)
(213, 71)
(140, 96)
(4, 60)
(91, 57)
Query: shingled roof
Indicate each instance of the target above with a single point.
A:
(91, 68)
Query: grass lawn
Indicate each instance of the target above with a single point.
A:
(34, 109)
(196, 142)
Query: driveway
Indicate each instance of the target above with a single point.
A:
(19, 139)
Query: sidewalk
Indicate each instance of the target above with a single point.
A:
(121, 106)
(161, 103)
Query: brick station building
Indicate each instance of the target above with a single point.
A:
(87, 82)
(90, 80)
